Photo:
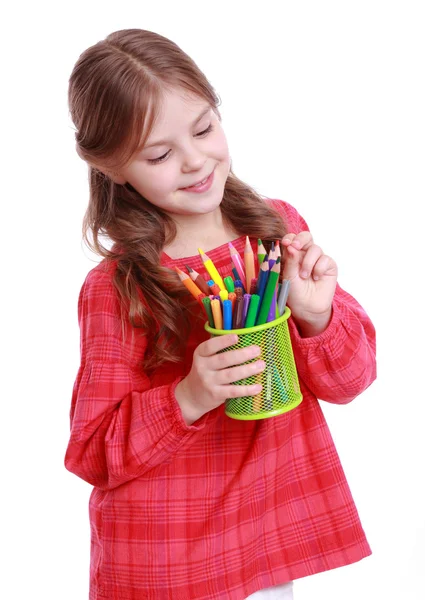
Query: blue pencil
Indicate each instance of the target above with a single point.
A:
(227, 314)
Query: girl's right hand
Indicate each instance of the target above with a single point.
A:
(210, 380)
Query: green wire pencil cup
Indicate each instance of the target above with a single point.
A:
(281, 390)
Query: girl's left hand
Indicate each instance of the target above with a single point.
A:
(313, 276)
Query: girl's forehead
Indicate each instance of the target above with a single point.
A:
(176, 110)
(179, 101)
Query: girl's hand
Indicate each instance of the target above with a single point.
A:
(210, 380)
(313, 277)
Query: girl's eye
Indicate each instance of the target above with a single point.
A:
(154, 161)
(159, 159)
(207, 130)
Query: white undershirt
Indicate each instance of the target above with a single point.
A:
(278, 592)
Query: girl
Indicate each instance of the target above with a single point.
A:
(188, 503)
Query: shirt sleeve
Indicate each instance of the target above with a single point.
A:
(121, 427)
(340, 363)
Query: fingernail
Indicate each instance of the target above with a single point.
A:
(304, 274)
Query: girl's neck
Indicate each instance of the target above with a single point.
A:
(202, 231)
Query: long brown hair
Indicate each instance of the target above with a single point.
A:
(113, 91)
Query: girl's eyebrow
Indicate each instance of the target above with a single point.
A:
(165, 142)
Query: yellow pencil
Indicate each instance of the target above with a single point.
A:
(192, 287)
(249, 264)
(216, 311)
(212, 271)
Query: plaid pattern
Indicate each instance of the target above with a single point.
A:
(221, 508)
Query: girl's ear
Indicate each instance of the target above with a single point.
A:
(114, 175)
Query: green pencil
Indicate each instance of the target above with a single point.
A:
(252, 311)
(261, 252)
(229, 283)
(207, 305)
(268, 293)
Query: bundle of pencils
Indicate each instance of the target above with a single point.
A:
(248, 298)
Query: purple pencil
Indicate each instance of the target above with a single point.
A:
(272, 312)
(246, 301)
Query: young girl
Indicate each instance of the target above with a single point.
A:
(188, 503)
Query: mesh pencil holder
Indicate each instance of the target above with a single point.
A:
(281, 390)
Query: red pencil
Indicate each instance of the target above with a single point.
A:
(199, 280)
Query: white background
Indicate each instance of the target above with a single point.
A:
(323, 106)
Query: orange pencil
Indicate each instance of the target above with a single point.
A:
(216, 311)
(249, 264)
(192, 287)
(232, 297)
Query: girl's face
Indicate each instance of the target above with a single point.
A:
(187, 144)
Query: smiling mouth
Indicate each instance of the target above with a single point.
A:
(199, 182)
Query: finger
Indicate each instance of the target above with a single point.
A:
(309, 260)
(241, 372)
(287, 239)
(215, 344)
(224, 360)
(237, 391)
(300, 241)
(324, 266)
(291, 265)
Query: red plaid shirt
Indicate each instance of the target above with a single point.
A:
(221, 508)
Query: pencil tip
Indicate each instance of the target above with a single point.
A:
(189, 268)
(201, 251)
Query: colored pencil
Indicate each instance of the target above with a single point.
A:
(198, 280)
(232, 298)
(237, 261)
(214, 289)
(261, 252)
(268, 293)
(253, 287)
(228, 282)
(263, 275)
(188, 283)
(216, 311)
(272, 259)
(207, 305)
(236, 274)
(249, 263)
(212, 271)
(246, 301)
(227, 314)
(238, 313)
(283, 296)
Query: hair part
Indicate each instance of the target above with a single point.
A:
(115, 91)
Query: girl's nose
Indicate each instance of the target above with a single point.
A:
(193, 160)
